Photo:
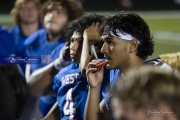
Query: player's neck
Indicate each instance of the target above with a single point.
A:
(29, 28)
(54, 37)
(132, 63)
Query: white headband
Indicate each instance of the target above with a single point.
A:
(122, 35)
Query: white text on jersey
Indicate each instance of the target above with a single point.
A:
(69, 79)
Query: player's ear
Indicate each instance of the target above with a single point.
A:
(133, 45)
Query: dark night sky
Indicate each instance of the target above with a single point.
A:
(110, 5)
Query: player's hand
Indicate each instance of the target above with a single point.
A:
(91, 33)
(94, 76)
(65, 52)
(64, 57)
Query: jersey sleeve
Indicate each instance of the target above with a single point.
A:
(32, 38)
(158, 62)
(109, 80)
(34, 41)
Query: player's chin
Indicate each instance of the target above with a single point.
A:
(109, 66)
(75, 60)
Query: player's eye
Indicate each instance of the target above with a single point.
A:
(72, 40)
(110, 42)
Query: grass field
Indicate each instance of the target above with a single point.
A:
(165, 28)
(168, 40)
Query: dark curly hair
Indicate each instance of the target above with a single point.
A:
(81, 24)
(87, 20)
(74, 8)
(14, 92)
(71, 28)
(134, 25)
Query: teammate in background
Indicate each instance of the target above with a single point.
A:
(127, 44)
(55, 16)
(27, 21)
(7, 41)
(14, 92)
(147, 93)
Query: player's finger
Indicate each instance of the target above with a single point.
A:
(92, 65)
(97, 24)
(92, 25)
(96, 64)
(91, 70)
(95, 61)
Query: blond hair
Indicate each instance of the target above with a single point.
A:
(172, 59)
(17, 7)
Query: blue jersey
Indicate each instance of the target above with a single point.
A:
(20, 47)
(71, 89)
(7, 41)
(111, 82)
(39, 45)
(20, 38)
